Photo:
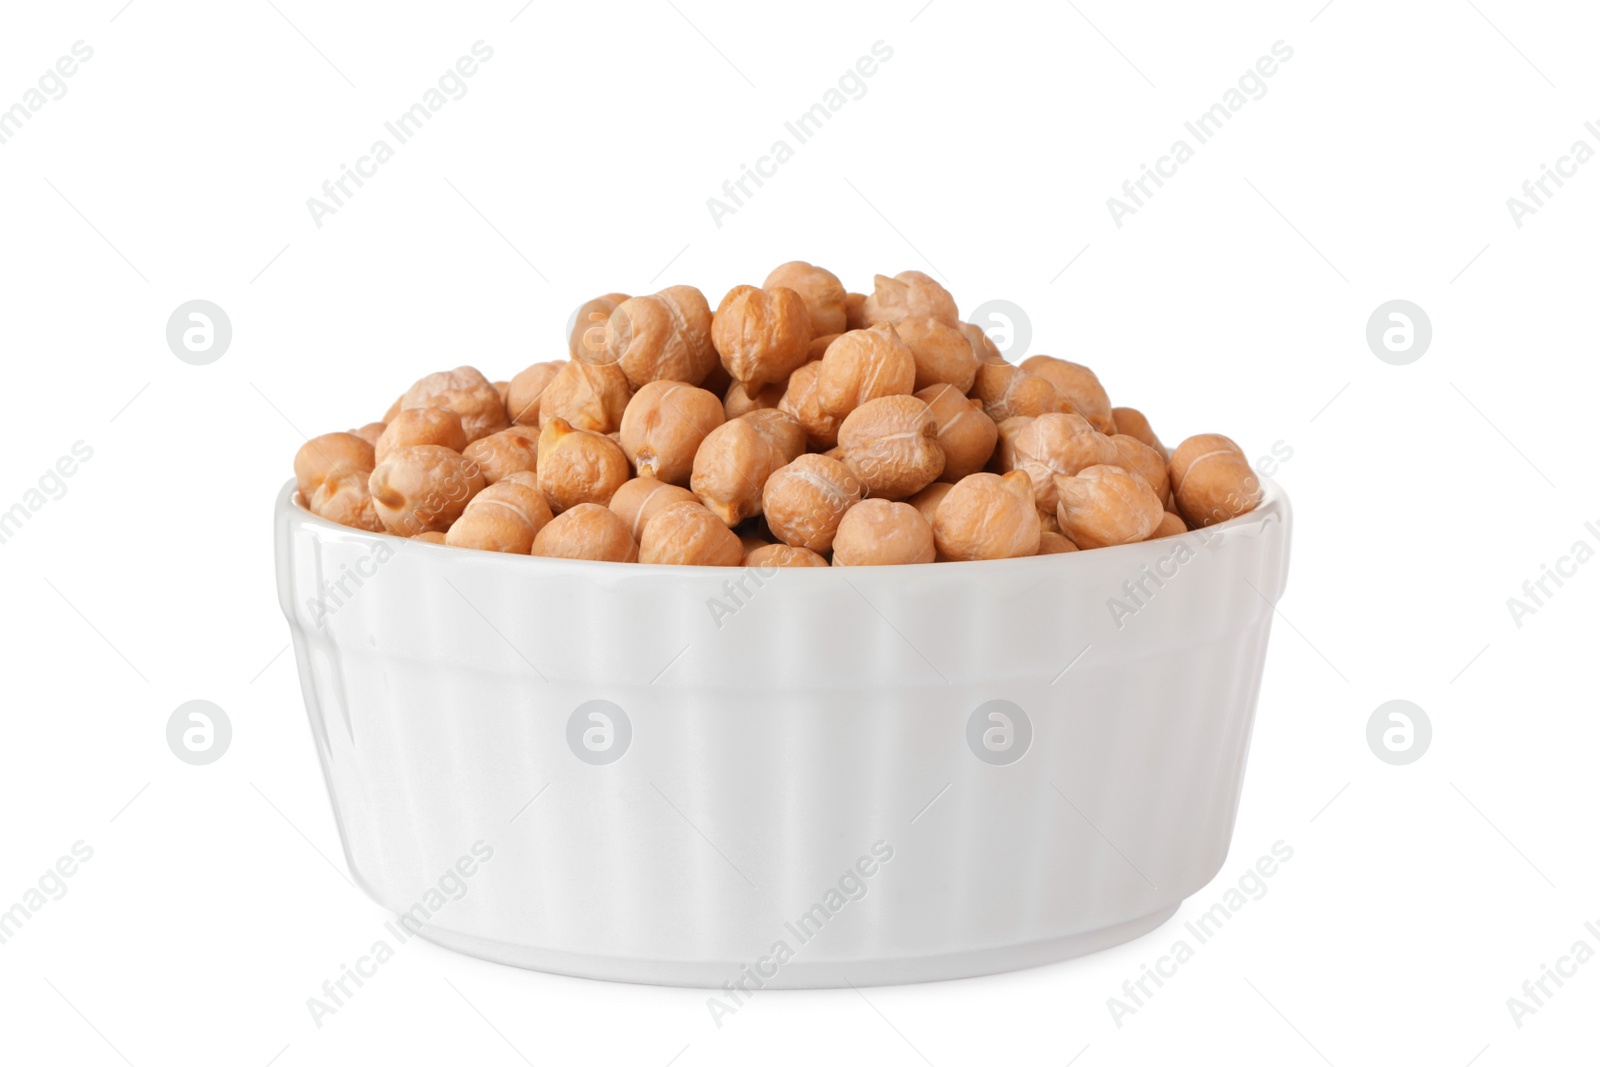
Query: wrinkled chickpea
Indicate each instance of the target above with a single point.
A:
(587, 531)
(1078, 386)
(466, 392)
(819, 346)
(864, 365)
(942, 353)
(1058, 444)
(330, 454)
(882, 533)
(663, 427)
(586, 341)
(589, 396)
(891, 444)
(801, 403)
(370, 432)
(855, 312)
(783, 556)
(423, 487)
(421, 426)
(803, 501)
(1169, 526)
(731, 467)
(344, 498)
(988, 516)
(1212, 480)
(640, 498)
(1131, 421)
(1007, 430)
(690, 535)
(578, 466)
(1007, 391)
(782, 430)
(505, 517)
(822, 292)
(927, 502)
(762, 335)
(909, 293)
(739, 401)
(966, 435)
(667, 335)
(1053, 544)
(1106, 505)
(522, 401)
(1136, 456)
(984, 350)
(505, 453)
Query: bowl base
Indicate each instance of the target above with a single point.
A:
(802, 974)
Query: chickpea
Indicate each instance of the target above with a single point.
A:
(927, 502)
(343, 497)
(370, 432)
(466, 392)
(586, 341)
(863, 365)
(432, 537)
(732, 466)
(587, 531)
(1052, 543)
(804, 500)
(880, 532)
(505, 517)
(750, 540)
(762, 335)
(782, 430)
(1148, 463)
(589, 396)
(739, 401)
(667, 335)
(909, 293)
(942, 353)
(663, 426)
(690, 535)
(783, 556)
(855, 312)
(1058, 444)
(891, 444)
(1132, 422)
(328, 455)
(717, 380)
(983, 346)
(504, 389)
(1106, 505)
(966, 435)
(1212, 480)
(801, 403)
(522, 401)
(1169, 526)
(819, 346)
(1078, 386)
(1007, 430)
(421, 426)
(640, 498)
(423, 487)
(578, 466)
(504, 453)
(821, 291)
(1006, 390)
(988, 516)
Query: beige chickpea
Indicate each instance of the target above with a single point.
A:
(800, 401)
(689, 535)
(822, 292)
(504, 453)
(882, 533)
(988, 516)
(984, 350)
(804, 500)
(783, 556)
(587, 531)
(1106, 505)
(640, 498)
(344, 498)
(1131, 421)
(1006, 391)
(1136, 456)
(1169, 526)
(589, 396)
(731, 467)
(578, 466)
(663, 427)
(1078, 386)
(909, 293)
(1007, 430)
(423, 487)
(586, 341)
(432, 537)
(864, 365)
(466, 392)
(927, 502)
(781, 429)
(421, 426)
(738, 400)
(1052, 543)
(941, 352)
(522, 401)
(966, 435)
(330, 454)
(819, 346)
(855, 312)
(505, 517)
(1055, 444)
(762, 335)
(666, 335)
(1212, 480)
(370, 432)
(891, 444)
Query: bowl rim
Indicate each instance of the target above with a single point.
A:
(291, 510)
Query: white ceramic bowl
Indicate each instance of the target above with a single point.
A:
(800, 784)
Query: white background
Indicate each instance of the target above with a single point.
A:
(1377, 166)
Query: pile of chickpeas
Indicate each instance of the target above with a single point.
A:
(797, 425)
